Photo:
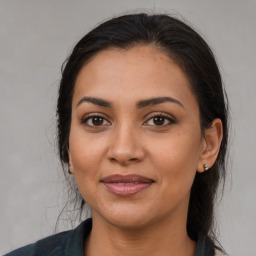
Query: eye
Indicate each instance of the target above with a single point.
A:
(160, 120)
(95, 120)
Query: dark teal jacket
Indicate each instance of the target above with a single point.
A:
(71, 243)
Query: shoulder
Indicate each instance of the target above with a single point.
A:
(42, 247)
(206, 247)
(64, 243)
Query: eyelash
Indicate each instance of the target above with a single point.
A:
(170, 119)
(90, 117)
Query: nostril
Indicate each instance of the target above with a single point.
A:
(125, 153)
(112, 159)
(123, 161)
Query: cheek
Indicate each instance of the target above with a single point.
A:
(84, 161)
(85, 148)
(85, 153)
(176, 159)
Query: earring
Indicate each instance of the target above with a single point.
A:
(206, 168)
(70, 170)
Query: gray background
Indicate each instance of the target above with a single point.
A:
(35, 38)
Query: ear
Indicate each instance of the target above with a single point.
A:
(210, 145)
(70, 164)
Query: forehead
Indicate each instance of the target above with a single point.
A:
(142, 71)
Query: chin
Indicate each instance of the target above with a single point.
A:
(128, 222)
(126, 217)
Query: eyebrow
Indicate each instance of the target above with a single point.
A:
(158, 100)
(96, 101)
(139, 104)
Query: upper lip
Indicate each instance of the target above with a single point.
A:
(131, 178)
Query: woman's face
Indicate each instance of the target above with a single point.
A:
(135, 140)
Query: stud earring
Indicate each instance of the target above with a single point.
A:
(70, 170)
(206, 167)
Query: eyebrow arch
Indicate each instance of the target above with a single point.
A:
(139, 104)
(96, 101)
(158, 100)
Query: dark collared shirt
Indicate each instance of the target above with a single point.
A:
(71, 243)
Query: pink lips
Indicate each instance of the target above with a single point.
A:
(126, 185)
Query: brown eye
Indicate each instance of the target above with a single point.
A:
(160, 120)
(95, 121)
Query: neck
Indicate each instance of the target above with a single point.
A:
(159, 239)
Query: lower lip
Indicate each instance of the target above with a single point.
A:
(126, 190)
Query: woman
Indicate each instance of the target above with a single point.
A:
(142, 125)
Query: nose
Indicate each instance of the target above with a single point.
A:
(125, 146)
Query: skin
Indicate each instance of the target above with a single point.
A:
(128, 141)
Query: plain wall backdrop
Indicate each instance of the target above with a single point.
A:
(35, 38)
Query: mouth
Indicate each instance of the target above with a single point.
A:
(126, 185)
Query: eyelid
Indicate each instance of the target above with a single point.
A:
(94, 114)
(169, 117)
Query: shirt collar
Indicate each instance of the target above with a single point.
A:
(74, 244)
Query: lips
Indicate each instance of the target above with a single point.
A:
(126, 185)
